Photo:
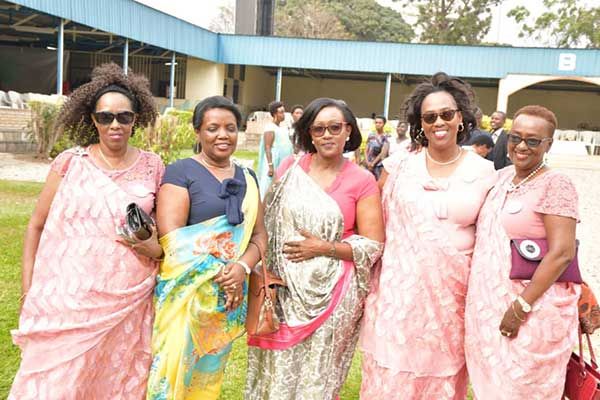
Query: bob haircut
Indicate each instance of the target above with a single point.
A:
(215, 102)
(302, 138)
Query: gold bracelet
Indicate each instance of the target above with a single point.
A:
(332, 251)
(515, 312)
(22, 297)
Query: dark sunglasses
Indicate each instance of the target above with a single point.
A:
(106, 118)
(530, 142)
(431, 117)
(334, 128)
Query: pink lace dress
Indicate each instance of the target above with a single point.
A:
(84, 330)
(413, 331)
(532, 365)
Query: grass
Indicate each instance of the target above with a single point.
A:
(17, 200)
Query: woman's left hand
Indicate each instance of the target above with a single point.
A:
(510, 325)
(149, 247)
(306, 249)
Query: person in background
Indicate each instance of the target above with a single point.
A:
(86, 317)
(325, 229)
(482, 144)
(500, 155)
(520, 333)
(275, 146)
(297, 111)
(209, 212)
(413, 330)
(377, 147)
(401, 142)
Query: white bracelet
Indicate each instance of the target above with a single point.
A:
(245, 266)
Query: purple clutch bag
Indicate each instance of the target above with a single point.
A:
(526, 255)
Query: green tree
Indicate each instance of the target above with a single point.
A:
(368, 20)
(565, 23)
(452, 21)
(308, 18)
(339, 19)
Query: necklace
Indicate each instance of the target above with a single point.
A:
(433, 160)
(209, 166)
(113, 167)
(512, 187)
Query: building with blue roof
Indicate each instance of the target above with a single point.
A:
(186, 63)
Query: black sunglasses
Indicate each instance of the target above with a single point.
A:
(431, 117)
(106, 118)
(530, 142)
(334, 128)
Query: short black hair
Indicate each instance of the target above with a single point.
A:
(502, 114)
(215, 102)
(297, 106)
(274, 106)
(382, 118)
(302, 136)
(461, 92)
(482, 140)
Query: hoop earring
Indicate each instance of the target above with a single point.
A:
(461, 127)
(420, 134)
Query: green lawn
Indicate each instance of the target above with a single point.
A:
(17, 200)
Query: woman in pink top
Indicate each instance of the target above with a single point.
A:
(413, 332)
(325, 229)
(85, 323)
(520, 333)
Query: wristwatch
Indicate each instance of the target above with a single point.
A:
(525, 306)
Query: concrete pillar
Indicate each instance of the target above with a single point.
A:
(172, 82)
(60, 57)
(386, 99)
(278, 84)
(126, 56)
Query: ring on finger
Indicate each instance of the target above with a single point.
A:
(506, 333)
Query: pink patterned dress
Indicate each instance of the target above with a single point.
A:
(413, 332)
(84, 330)
(533, 365)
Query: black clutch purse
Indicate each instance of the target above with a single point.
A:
(137, 225)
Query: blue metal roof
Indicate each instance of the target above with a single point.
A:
(136, 21)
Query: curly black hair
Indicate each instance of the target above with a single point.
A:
(460, 90)
(75, 116)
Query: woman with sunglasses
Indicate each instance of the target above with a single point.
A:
(520, 332)
(412, 338)
(325, 225)
(86, 317)
(208, 214)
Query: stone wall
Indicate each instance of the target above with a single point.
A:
(14, 131)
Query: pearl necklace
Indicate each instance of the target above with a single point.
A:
(512, 186)
(113, 167)
(433, 160)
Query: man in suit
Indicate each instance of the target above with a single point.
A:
(499, 135)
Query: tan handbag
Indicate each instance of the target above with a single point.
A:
(262, 296)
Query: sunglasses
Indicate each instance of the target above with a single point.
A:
(431, 117)
(530, 142)
(106, 118)
(334, 128)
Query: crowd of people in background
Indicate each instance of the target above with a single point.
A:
(411, 259)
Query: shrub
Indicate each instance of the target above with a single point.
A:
(42, 126)
(172, 134)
